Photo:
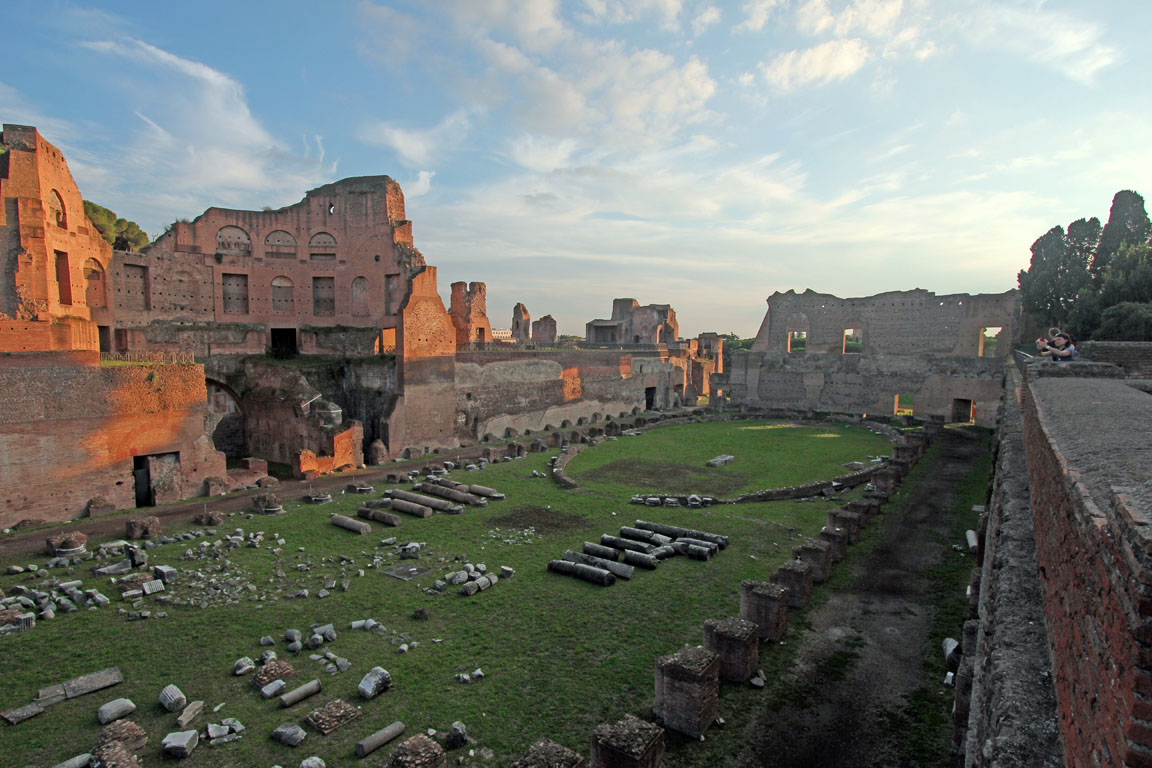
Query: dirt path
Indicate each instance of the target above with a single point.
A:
(863, 654)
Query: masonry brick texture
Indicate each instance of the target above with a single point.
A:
(1094, 548)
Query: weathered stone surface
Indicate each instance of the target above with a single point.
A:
(765, 605)
(143, 528)
(457, 735)
(720, 461)
(687, 690)
(290, 734)
(172, 698)
(418, 751)
(113, 754)
(243, 666)
(114, 710)
(629, 742)
(80, 761)
(546, 753)
(332, 715)
(127, 732)
(374, 683)
(92, 682)
(297, 695)
(20, 714)
(737, 644)
(273, 670)
(312, 762)
(180, 743)
(371, 743)
(189, 714)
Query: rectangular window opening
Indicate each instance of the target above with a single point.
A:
(63, 278)
(324, 296)
(853, 341)
(904, 405)
(990, 341)
(797, 342)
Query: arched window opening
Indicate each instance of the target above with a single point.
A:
(360, 306)
(95, 293)
(280, 245)
(58, 214)
(322, 247)
(233, 241)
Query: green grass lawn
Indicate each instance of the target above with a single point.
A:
(560, 656)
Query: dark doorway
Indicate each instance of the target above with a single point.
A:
(105, 334)
(649, 397)
(283, 342)
(962, 411)
(143, 478)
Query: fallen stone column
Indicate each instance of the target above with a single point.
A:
(489, 493)
(641, 560)
(616, 542)
(348, 524)
(687, 690)
(818, 554)
(630, 743)
(797, 577)
(736, 642)
(649, 537)
(440, 505)
(765, 605)
(692, 551)
(379, 515)
(712, 547)
(297, 695)
(663, 553)
(411, 508)
(597, 576)
(597, 550)
(370, 744)
(675, 532)
(619, 569)
(451, 493)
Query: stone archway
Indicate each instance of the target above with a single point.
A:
(224, 420)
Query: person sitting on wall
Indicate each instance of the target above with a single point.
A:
(1061, 348)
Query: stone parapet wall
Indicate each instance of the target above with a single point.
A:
(1012, 720)
(1088, 456)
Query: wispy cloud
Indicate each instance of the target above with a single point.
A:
(757, 13)
(826, 63)
(416, 148)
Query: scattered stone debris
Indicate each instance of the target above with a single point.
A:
(70, 689)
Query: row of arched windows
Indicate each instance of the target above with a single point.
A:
(323, 295)
(278, 244)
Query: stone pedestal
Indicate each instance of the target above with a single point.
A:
(849, 522)
(687, 690)
(837, 539)
(818, 554)
(885, 480)
(630, 743)
(765, 605)
(867, 507)
(797, 577)
(737, 643)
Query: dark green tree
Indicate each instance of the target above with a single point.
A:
(1059, 270)
(120, 233)
(1127, 223)
(1126, 321)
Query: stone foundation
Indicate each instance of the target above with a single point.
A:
(765, 605)
(737, 644)
(630, 743)
(818, 554)
(797, 577)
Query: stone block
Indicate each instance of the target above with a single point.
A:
(125, 732)
(797, 577)
(253, 464)
(736, 642)
(818, 554)
(629, 743)
(181, 743)
(848, 521)
(332, 715)
(143, 528)
(687, 690)
(766, 605)
(837, 538)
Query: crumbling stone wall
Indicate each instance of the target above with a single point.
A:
(1088, 457)
(633, 324)
(544, 330)
(911, 343)
(1012, 721)
(73, 432)
(521, 324)
(1134, 357)
(469, 312)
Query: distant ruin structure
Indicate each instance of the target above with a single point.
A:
(217, 302)
(903, 352)
(633, 324)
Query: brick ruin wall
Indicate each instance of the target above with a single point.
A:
(1088, 457)
(501, 393)
(913, 343)
(73, 432)
(1133, 357)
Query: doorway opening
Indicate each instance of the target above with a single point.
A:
(283, 342)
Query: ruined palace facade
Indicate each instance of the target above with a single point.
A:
(221, 298)
(907, 352)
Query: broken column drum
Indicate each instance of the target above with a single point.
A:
(736, 642)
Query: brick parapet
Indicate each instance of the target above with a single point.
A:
(1094, 548)
(1134, 357)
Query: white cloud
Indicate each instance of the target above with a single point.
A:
(667, 12)
(1072, 45)
(539, 154)
(420, 186)
(397, 35)
(757, 14)
(534, 24)
(199, 143)
(707, 16)
(417, 148)
(823, 64)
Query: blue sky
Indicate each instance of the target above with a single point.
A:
(691, 152)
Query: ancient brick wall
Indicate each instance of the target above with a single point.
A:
(53, 262)
(1094, 548)
(1135, 357)
(915, 344)
(341, 259)
(544, 330)
(74, 430)
(468, 309)
(634, 324)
